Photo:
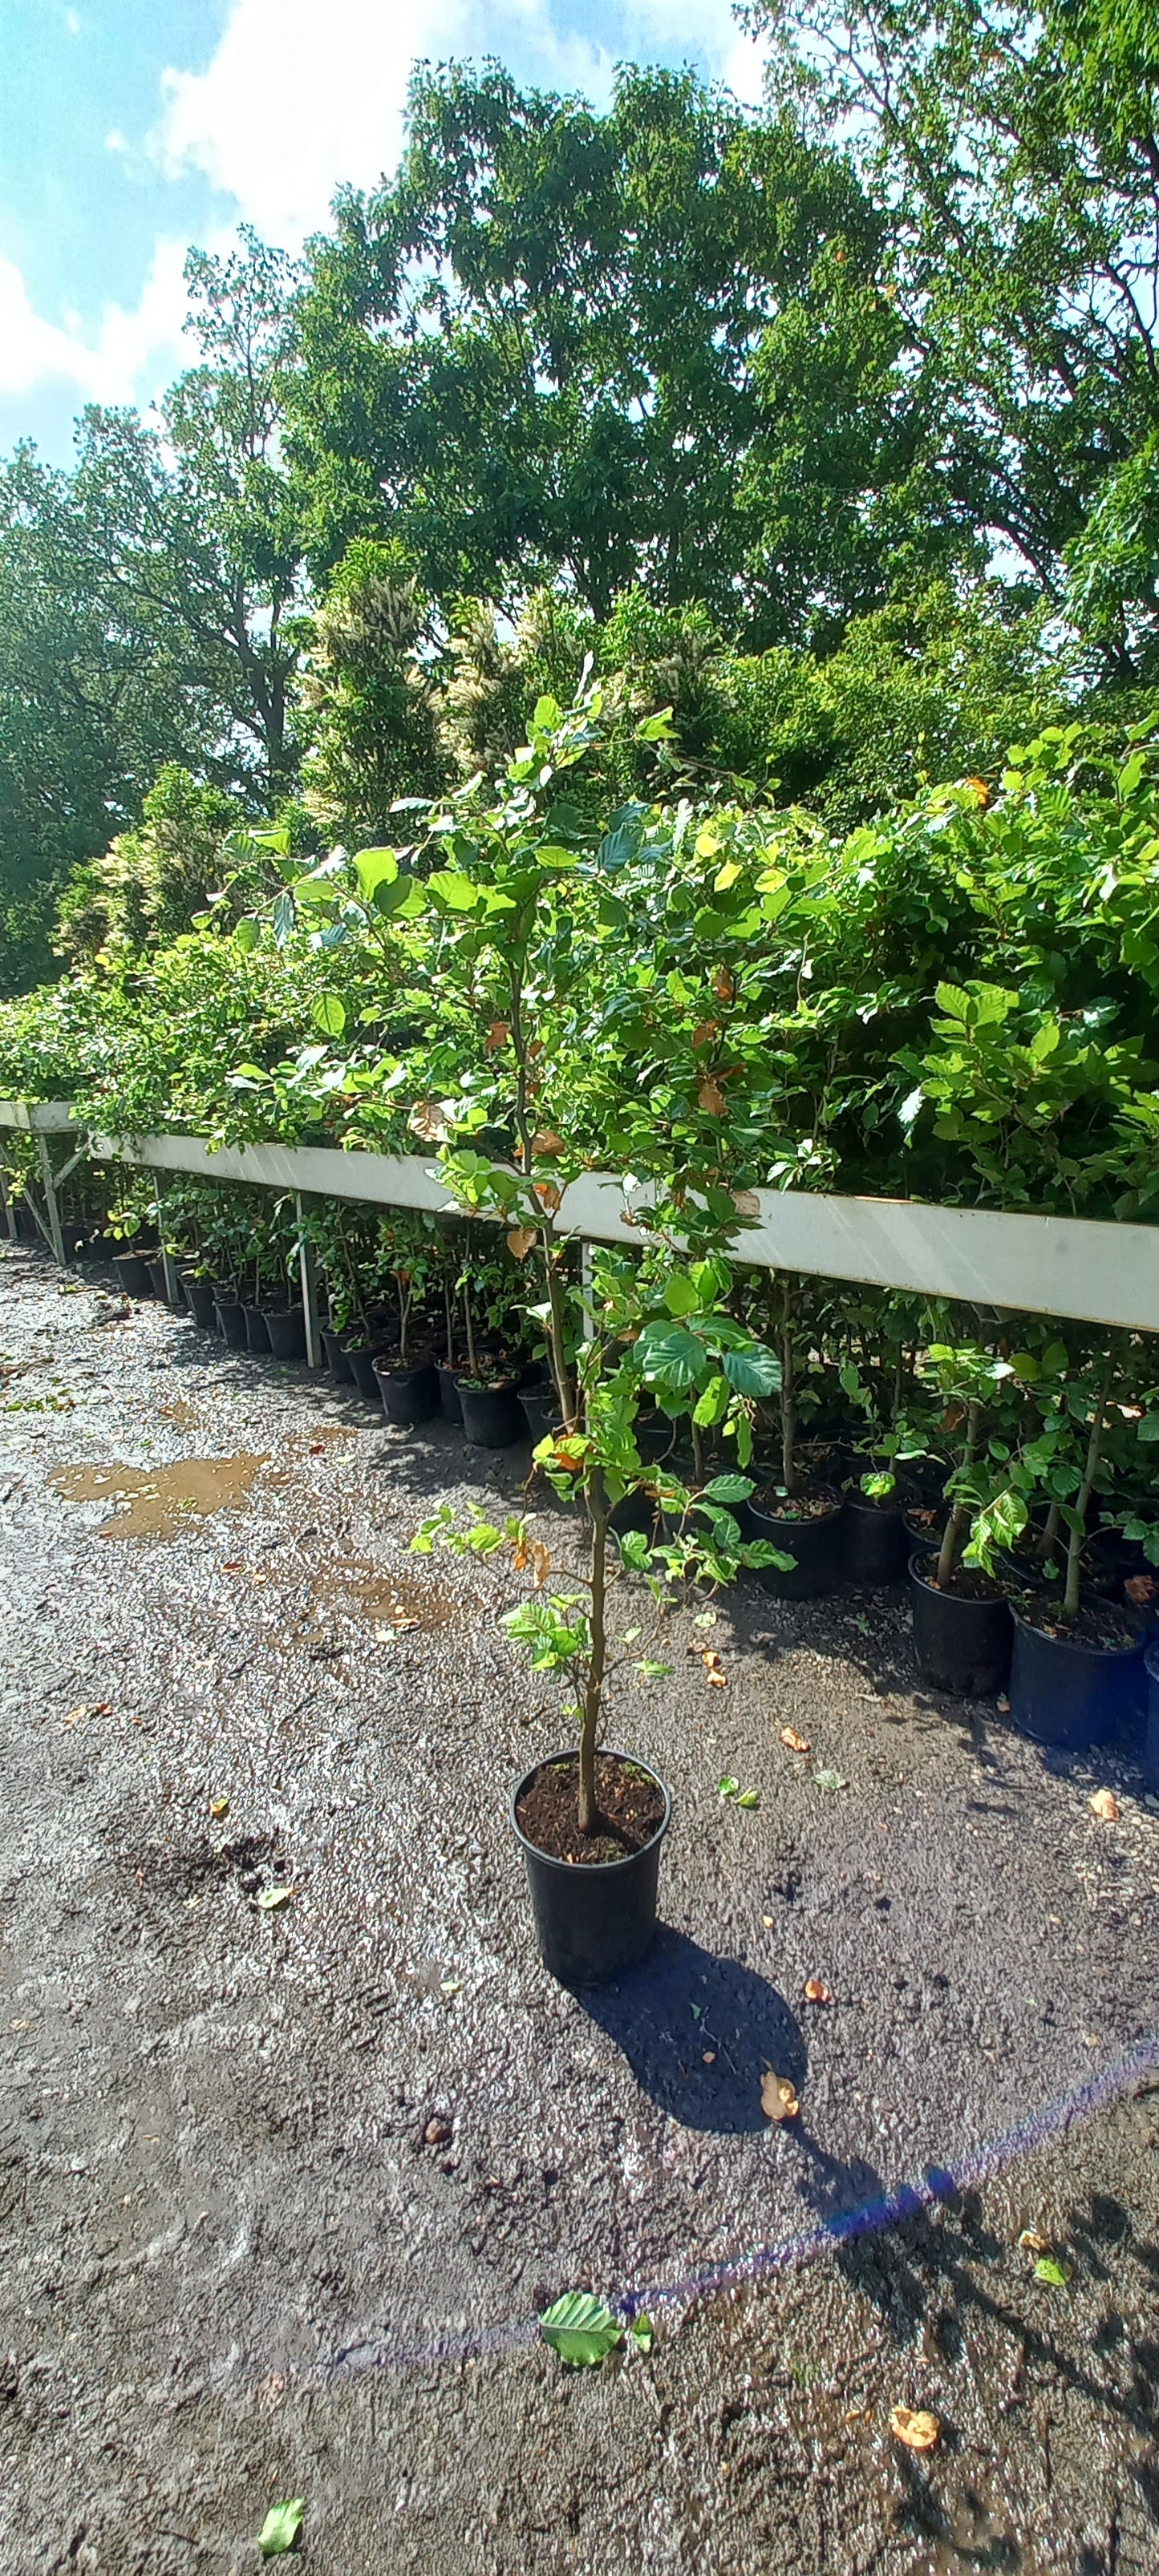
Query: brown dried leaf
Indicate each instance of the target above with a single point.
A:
(778, 2099)
(429, 1118)
(547, 1195)
(438, 2133)
(711, 1098)
(1032, 2243)
(218, 1807)
(746, 1202)
(1105, 1806)
(815, 1992)
(547, 1143)
(768, 1920)
(704, 1033)
(520, 1241)
(1141, 1589)
(918, 2431)
(708, 2056)
(719, 1680)
(497, 1035)
(519, 1558)
(541, 1560)
(724, 984)
(796, 1743)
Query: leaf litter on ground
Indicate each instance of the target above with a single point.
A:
(279, 2531)
(580, 2329)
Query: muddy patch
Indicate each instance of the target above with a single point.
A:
(352, 1586)
(160, 1501)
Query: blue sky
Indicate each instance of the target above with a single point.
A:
(130, 128)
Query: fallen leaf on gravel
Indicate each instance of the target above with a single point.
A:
(816, 1993)
(749, 1798)
(74, 1715)
(719, 1680)
(219, 1807)
(270, 1898)
(918, 2431)
(829, 1780)
(1049, 2269)
(280, 2529)
(580, 2329)
(708, 2057)
(778, 2099)
(1031, 2242)
(726, 1786)
(768, 1920)
(796, 1743)
(438, 2133)
(643, 2333)
(1105, 1805)
(1003, 1705)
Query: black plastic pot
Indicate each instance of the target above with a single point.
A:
(157, 1279)
(409, 1395)
(1151, 1734)
(231, 1324)
(492, 1418)
(199, 1299)
(257, 1338)
(961, 1646)
(287, 1334)
(592, 1920)
(1071, 1695)
(452, 1410)
(876, 1547)
(817, 1546)
(363, 1359)
(539, 1406)
(133, 1273)
(334, 1345)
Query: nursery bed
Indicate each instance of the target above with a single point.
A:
(235, 2264)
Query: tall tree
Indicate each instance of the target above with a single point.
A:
(559, 344)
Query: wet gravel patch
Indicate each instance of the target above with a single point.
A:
(215, 2171)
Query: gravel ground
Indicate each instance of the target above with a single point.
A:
(233, 2265)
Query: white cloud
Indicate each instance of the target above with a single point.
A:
(106, 367)
(297, 99)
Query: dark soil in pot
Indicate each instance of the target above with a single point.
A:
(231, 1323)
(257, 1338)
(962, 1631)
(133, 1274)
(287, 1332)
(593, 1896)
(334, 1345)
(410, 1393)
(450, 1406)
(492, 1417)
(877, 1549)
(808, 1526)
(199, 1299)
(1075, 1684)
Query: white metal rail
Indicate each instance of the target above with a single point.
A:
(1096, 1272)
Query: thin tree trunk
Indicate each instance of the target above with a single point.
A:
(597, 1502)
(1077, 1538)
(952, 1535)
(788, 1394)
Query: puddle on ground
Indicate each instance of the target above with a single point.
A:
(162, 1500)
(179, 1413)
(385, 1600)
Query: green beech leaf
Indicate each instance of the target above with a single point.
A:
(245, 936)
(1049, 2269)
(329, 1014)
(953, 1001)
(580, 2329)
(643, 2332)
(753, 1371)
(729, 1489)
(456, 891)
(270, 1899)
(749, 1798)
(726, 1786)
(374, 868)
(281, 2527)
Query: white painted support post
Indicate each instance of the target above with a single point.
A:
(51, 1209)
(173, 1293)
(309, 1277)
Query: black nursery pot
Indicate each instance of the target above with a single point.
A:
(961, 1646)
(158, 1283)
(1151, 1736)
(492, 1418)
(287, 1333)
(592, 1921)
(409, 1395)
(876, 1547)
(257, 1338)
(334, 1345)
(451, 1408)
(133, 1273)
(231, 1323)
(363, 1358)
(199, 1299)
(539, 1406)
(1071, 1695)
(818, 1547)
